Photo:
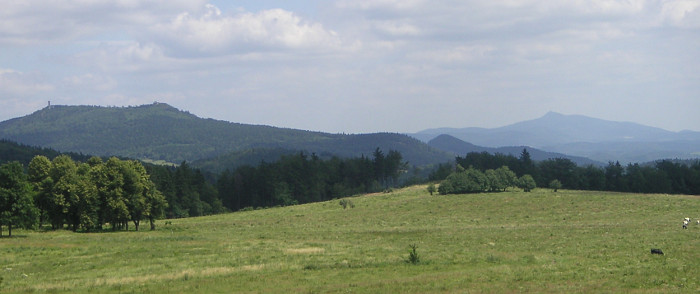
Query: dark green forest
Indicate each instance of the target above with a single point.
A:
(86, 193)
(291, 179)
(304, 178)
(664, 176)
(12, 151)
(86, 196)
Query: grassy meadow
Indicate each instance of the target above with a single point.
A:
(568, 241)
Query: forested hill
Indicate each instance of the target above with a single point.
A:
(161, 132)
(11, 151)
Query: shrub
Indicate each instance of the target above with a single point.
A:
(413, 257)
(345, 203)
(555, 184)
(310, 267)
(431, 189)
(467, 181)
(527, 183)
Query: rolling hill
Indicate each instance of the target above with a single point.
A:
(161, 132)
(583, 136)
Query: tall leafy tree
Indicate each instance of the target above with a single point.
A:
(155, 203)
(506, 177)
(39, 170)
(16, 203)
(109, 182)
(135, 189)
(63, 174)
(527, 183)
(83, 211)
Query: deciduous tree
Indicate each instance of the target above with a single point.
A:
(16, 203)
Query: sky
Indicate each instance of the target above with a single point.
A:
(359, 66)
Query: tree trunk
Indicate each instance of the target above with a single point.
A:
(153, 224)
(9, 229)
(136, 225)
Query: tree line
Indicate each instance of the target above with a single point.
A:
(663, 176)
(87, 196)
(84, 196)
(304, 178)
(188, 191)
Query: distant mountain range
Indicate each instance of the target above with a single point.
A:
(458, 147)
(160, 132)
(582, 136)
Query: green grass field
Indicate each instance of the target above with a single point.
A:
(569, 241)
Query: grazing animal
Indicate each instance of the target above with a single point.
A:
(656, 251)
(685, 224)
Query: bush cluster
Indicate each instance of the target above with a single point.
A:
(474, 181)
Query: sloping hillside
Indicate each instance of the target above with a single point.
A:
(162, 132)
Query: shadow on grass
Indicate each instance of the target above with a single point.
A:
(13, 236)
(108, 229)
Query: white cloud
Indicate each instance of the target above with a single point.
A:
(682, 13)
(366, 59)
(390, 5)
(90, 81)
(124, 56)
(397, 28)
(214, 33)
(16, 84)
(30, 22)
(458, 54)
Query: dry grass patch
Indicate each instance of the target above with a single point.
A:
(308, 250)
(155, 278)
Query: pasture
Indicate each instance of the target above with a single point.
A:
(569, 241)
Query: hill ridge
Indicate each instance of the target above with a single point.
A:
(161, 132)
(460, 148)
(580, 135)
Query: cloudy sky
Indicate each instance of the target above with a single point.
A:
(358, 66)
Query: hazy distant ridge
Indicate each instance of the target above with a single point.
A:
(458, 147)
(597, 139)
